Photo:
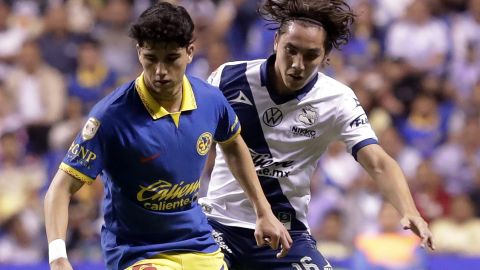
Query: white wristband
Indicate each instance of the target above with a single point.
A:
(56, 249)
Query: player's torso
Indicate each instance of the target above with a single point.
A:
(285, 139)
(157, 164)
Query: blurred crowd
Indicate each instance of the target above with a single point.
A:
(414, 65)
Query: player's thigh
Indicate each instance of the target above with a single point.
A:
(183, 261)
(303, 255)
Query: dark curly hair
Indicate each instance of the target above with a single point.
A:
(335, 16)
(163, 22)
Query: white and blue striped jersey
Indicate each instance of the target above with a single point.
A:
(286, 136)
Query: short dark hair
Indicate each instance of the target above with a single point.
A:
(335, 16)
(163, 22)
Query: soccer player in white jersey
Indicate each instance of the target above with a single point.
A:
(290, 112)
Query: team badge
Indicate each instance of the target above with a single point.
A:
(308, 116)
(90, 128)
(203, 143)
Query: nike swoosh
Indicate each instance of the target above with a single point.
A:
(150, 158)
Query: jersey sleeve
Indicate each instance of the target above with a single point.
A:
(228, 125)
(84, 159)
(354, 128)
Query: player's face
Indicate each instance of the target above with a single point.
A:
(299, 55)
(164, 65)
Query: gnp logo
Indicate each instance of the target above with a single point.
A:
(164, 196)
(203, 143)
(84, 155)
(272, 117)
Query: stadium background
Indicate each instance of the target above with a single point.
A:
(414, 64)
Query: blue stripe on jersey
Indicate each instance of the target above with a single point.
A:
(362, 144)
(233, 83)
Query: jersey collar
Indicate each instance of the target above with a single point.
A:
(280, 99)
(155, 109)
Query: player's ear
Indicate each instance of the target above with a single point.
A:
(190, 51)
(275, 42)
(138, 50)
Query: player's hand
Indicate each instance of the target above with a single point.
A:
(417, 225)
(61, 264)
(270, 231)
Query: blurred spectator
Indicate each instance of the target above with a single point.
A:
(329, 236)
(9, 119)
(118, 49)
(58, 44)
(429, 193)
(20, 244)
(365, 45)
(81, 15)
(465, 32)
(387, 11)
(20, 206)
(361, 206)
(11, 38)
(459, 233)
(400, 250)
(409, 158)
(426, 38)
(425, 127)
(38, 94)
(93, 79)
(459, 161)
(330, 181)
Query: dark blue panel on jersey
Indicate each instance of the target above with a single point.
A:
(362, 144)
(234, 84)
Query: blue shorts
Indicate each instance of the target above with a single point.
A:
(242, 253)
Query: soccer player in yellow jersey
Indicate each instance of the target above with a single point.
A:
(148, 141)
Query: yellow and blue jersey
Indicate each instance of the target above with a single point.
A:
(150, 162)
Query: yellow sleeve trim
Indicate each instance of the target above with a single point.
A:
(76, 174)
(232, 138)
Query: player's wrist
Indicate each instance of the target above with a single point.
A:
(56, 250)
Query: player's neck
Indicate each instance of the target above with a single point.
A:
(278, 86)
(170, 99)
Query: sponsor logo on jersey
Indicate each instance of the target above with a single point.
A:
(85, 156)
(203, 143)
(272, 117)
(308, 116)
(359, 121)
(266, 166)
(303, 132)
(165, 196)
(90, 128)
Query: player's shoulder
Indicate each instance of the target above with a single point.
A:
(332, 88)
(232, 69)
(113, 103)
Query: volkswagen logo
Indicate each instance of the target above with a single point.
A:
(272, 117)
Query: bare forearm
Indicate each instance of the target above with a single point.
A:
(394, 188)
(240, 163)
(56, 205)
(388, 177)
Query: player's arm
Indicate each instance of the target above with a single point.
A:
(56, 204)
(393, 186)
(268, 226)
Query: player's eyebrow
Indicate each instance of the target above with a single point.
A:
(313, 50)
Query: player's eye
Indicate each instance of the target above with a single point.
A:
(290, 50)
